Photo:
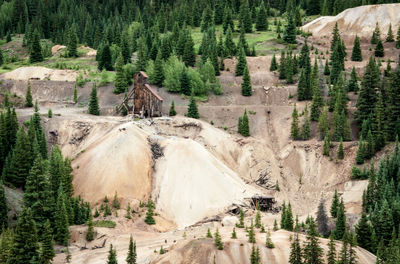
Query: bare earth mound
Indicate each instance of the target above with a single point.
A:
(40, 73)
(194, 184)
(359, 20)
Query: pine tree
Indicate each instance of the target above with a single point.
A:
(19, 167)
(90, 230)
(217, 240)
(25, 247)
(340, 225)
(335, 205)
(245, 127)
(158, 70)
(245, 16)
(295, 251)
(353, 82)
(209, 235)
(376, 35)
(241, 219)
(312, 251)
(398, 38)
(379, 50)
(47, 251)
(361, 151)
(251, 234)
(75, 94)
(93, 102)
(37, 195)
(230, 47)
(234, 235)
(261, 21)
(105, 59)
(150, 213)
(36, 49)
(28, 96)
(131, 258)
(61, 230)
(141, 62)
(193, 111)
(390, 36)
(331, 257)
(356, 54)
(72, 43)
(184, 80)
(172, 111)
(317, 99)
(189, 56)
(121, 84)
(242, 62)
(289, 35)
(294, 130)
(246, 84)
(322, 219)
(274, 64)
(268, 240)
(3, 207)
(289, 218)
(369, 85)
(282, 66)
(327, 146)
(364, 233)
(340, 153)
(306, 130)
(258, 217)
(112, 256)
(227, 19)
(1, 57)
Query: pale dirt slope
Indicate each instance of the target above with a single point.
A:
(359, 20)
(40, 73)
(113, 154)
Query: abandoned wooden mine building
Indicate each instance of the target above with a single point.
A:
(142, 100)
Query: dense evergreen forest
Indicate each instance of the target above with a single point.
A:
(160, 34)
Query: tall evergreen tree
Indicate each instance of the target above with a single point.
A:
(379, 49)
(131, 258)
(340, 225)
(36, 49)
(172, 111)
(356, 54)
(105, 58)
(28, 96)
(274, 64)
(322, 219)
(390, 36)
(393, 106)
(3, 207)
(185, 84)
(47, 252)
(25, 247)
(331, 256)
(245, 16)
(398, 38)
(121, 84)
(376, 35)
(112, 256)
(262, 21)
(364, 233)
(217, 240)
(230, 47)
(242, 63)
(72, 43)
(189, 56)
(335, 205)
(312, 250)
(246, 84)
(158, 70)
(353, 82)
(19, 167)
(193, 111)
(289, 35)
(368, 96)
(94, 108)
(61, 230)
(90, 230)
(294, 130)
(150, 213)
(296, 255)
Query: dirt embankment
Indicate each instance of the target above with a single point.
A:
(359, 20)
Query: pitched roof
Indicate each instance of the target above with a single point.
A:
(153, 92)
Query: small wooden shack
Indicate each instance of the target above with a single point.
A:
(146, 102)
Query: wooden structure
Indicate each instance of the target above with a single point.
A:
(142, 100)
(266, 203)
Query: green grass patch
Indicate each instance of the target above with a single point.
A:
(105, 223)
